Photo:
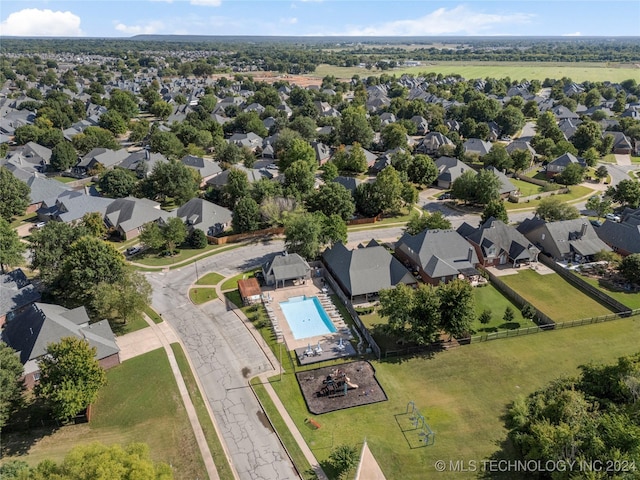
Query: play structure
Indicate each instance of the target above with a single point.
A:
(336, 384)
(427, 435)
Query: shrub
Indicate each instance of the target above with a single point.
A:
(528, 311)
(485, 316)
(197, 239)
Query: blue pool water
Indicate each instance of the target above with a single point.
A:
(306, 317)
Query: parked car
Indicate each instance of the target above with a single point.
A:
(38, 226)
(133, 251)
(596, 223)
(613, 217)
(444, 196)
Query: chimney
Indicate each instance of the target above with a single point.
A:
(583, 230)
(470, 256)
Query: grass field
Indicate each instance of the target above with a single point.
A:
(554, 296)
(211, 278)
(153, 315)
(65, 179)
(594, 72)
(491, 298)
(575, 192)
(526, 188)
(631, 300)
(232, 283)
(140, 403)
(202, 295)
(217, 452)
(462, 393)
(131, 326)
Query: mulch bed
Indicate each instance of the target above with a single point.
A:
(322, 396)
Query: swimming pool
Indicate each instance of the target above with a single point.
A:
(306, 317)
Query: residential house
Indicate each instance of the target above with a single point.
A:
(366, 270)
(438, 256)
(31, 156)
(558, 165)
(253, 175)
(477, 146)
(71, 206)
(432, 142)
(621, 144)
(506, 187)
(142, 162)
(623, 237)
(16, 293)
(350, 183)
(127, 216)
(568, 127)
(561, 112)
(98, 158)
(207, 168)
(322, 151)
(518, 144)
(249, 140)
(449, 169)
(497, 243)
(286, 267)
(421, 123)
(31, 330)
(567, 240)
(371, 157)
(200, 214)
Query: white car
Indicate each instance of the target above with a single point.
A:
(613, 217)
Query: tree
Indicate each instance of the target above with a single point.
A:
(495, 209)
(356, 160)
(175, 180)
(197, 239)
(483, 109)
(354, 127)
(456, 307)
(426, 315)
(332, 198)
(510, 119)
(151, 236)
(630, 268)
(11, 248)
(388, 189)
(528, 311)
(298, 150)
(521, 159)
(305, 126)
(117, 183)
(368, 201)
(333, 229)
(298, 179)
(94, 224)
(63, 156)
(626, 192)
(587, 135)
(123, 302)
(422, 170)
(237, 187)
(246, 215)
(343, 459)
(11, 385)
(498, 157)
(124, 103)
(265, 188)
(166, 143)
(509, 314)
(161, 109)
(552, 209)
(174, 233)
(485, 316)
(572, 174)
(113, 121)
(600, 205)
(94, 137)
(70, 377)
(601, 172)
(486, 187)
(433, 221)
(329, 172)
(302, 234)
(14, 195)
(463, 187)
(397, 305)
(393, 136)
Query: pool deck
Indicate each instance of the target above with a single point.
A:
(329, 342)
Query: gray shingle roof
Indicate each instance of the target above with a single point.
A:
(495, 237)
(72, 205)
(205, 216)
(366, 270)
(129, 213)
(204, 166)
(32, 330)
(621, 236)
(287, 267)
(16, 291)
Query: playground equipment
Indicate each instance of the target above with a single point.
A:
(426, 435)
(336, 385)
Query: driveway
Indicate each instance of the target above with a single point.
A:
(623, 160)
(225, 355)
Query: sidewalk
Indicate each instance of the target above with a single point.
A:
(162, 335)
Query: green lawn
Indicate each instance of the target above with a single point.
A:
(202, 294)
(525, 188)
(64, 179)
(19, 220)
(181, 259)
(140, 403)
(232, 283)
(211, 278)
(462, 393)
(595, 72)
(635, 159)
(217, 452)
(554, 296)
(131, 326)
(152, 314)
(609, 158)
(575, 192)
(631, 300)
(491, 298)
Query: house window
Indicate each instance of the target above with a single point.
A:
(36, 376)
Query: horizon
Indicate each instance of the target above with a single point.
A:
(319, 18)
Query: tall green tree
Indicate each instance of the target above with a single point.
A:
(457, 307)
(393, 136)
(113, 121)
(552, 209)
(11, 385)
(14, 195)
(573, 174)
(151, 236)
(630, 268)
(11, 248)
(174, 233)
(303, 234)
(396, 304)
(495, 209)
(498, 157)
(626, 192)
(63, 156)
(332, 198)
(93, 223)
(426, 316)
(355, 127)
(600, 205)
(510, 119)
(237, 187)
(117, 183)
(388, 188)
(123, 302)
(422, 170)
(356, 160)
(166, 143)
(246, 215)
(70, 377)
(298, 179)
(297, 150)
(124, 103)
(334, 229)
(486, 187)
(174, 180)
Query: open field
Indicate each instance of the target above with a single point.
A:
(462, 393)
(140, 403)
(631, 300)
(554, 296)
(232, 283)
(578, 72)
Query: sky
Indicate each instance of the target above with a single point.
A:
(125, 18)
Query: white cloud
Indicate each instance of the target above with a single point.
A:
(150, 27)
(574, 34)
(33, 22)
(289, 20)
(458, 20)
(206, 3)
